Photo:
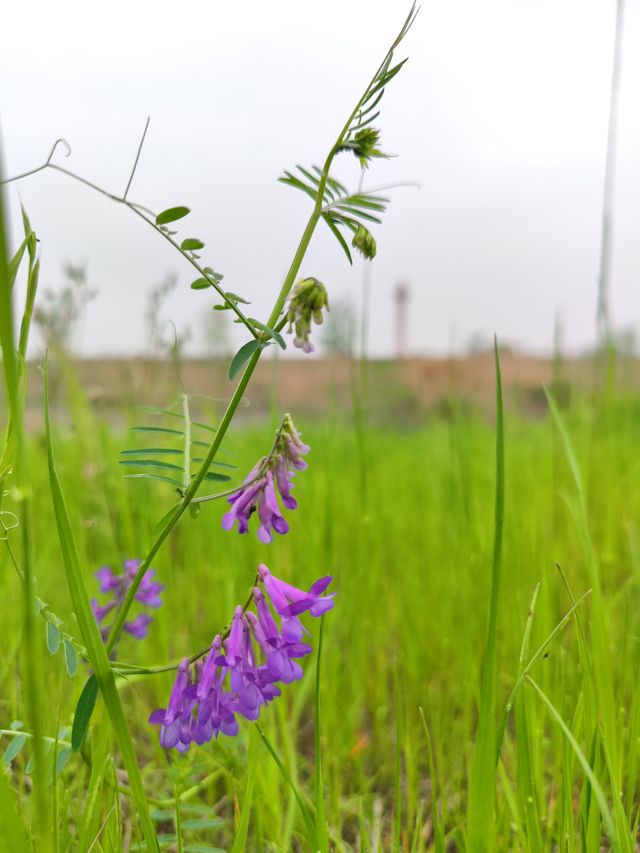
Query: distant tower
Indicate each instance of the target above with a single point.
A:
(401, 297)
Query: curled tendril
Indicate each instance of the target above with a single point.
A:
(60, 141)
(13, 523)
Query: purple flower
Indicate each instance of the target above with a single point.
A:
(289, 601)
(231, 680)
(174, 719)
(148, 594)
(260, 489)
(138, 627)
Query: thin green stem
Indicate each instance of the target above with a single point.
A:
(149, 217)
(321, 823)
(306, 816)
(16, 732)
(220, 434)
(186, 474)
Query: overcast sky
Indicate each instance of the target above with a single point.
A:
(500, 114)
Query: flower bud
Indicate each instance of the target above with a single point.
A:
(364, 145)
(306, 303)
(364, 242)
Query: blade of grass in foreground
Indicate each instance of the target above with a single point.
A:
(600, 645)
(306, 815)
(13, 838)
(240, 840)
(91, 636)
(438, 835)
(321, 823)
(482, 779)
(607, 817)
(14, 456)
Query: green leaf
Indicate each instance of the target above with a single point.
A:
(233, 297)
(84, 710)
(172, 214)
(53, 638)
(202, 848)
(162, 450)
(13, 749)
(244, 354)
(332, 225)
(62, 760)
(39, 604)
(277, 337)
(200, 284)
(164, 430)
(16, 725)
(150, 463)
(357, 213)
(203, 823)
(213, 274)
(221, 478)
(161, 814)
(70, 658)
(191, 244)
(215, 461)
(292, 181)
(177, 483)
(166, 517)
(31, 763)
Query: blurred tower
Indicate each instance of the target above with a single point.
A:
(401, 297)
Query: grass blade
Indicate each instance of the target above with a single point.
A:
(586, 766)
(91, 636)
(240, 840)
(321, 823)
(482, 781)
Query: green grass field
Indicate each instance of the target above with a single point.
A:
(405, 523)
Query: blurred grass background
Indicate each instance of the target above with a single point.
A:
(403, 520)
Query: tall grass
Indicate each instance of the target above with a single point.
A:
(408, 633)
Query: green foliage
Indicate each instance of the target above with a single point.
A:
(242, 356)
(83, 712)
(177, 475)
(341, 209)
(172, 214)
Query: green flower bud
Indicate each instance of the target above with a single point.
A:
(306, 303)
(364, 242)
(364, 145)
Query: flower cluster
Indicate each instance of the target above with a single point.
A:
(306, 303)
(116, 586)
(364, 242)
(208, 694)
(271, 474)
(364, 146)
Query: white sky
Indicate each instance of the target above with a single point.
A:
(500, 114)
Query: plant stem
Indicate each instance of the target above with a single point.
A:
(224, 423)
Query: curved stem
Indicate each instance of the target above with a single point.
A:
(222, 428)
(154, 670)
(149, 217)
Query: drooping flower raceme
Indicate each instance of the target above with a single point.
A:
(271, 476)
(240, 673)
(307, 301)
(116, 586)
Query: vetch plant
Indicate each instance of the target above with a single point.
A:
(307, 302)
(116, 587)
(240, 672)
(270, 475)
(209, 693)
